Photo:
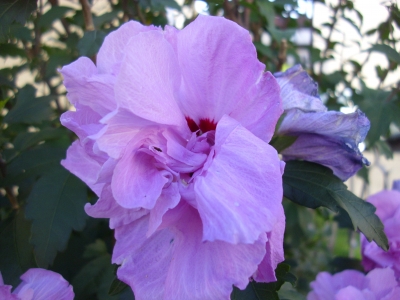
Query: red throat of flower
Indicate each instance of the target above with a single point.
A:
(204, 125)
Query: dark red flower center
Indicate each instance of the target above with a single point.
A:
(204, 125)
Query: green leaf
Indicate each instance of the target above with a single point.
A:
(55, 207)
(384, 149)
(3, 103)
(16, 254)
(90, 42)
(287, 292)
(11, 50)
(14, 11)
(117, 287)
(262, 291)
(387, 50)
(380, 113)
(54, 13)
(281, 142)
(33, 163)
(94, 278)
(267, 10)
(26, 140)
(96, 249)
(165, 3)
(313, 185)
(28, 108)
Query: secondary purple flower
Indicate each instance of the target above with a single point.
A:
(349, 284)
(38, 284)
(173, 131)
(387, 205)
(329, 138)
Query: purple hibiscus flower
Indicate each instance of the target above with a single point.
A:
(329, 138)
(387, 205)
(350, 284)
(173, 131)
(38, 284)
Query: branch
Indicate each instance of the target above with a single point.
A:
(139, 14)
(87, 15)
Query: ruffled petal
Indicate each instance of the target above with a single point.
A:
(169, 198)
(113, 48)
(328, 138)
(84, 122)
(261, 109)
(174, 263)
(121, 127)
(82, 165)
(149, 79)
(86, 87)
(44, 284)
(239, 196)
(5, 293)
(381, 282)
(219, 66)
(144, 261)
(136, 182)
(352, 293)
(274, 254)
(107, 207)
(299, 90)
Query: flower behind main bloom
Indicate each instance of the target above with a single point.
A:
(350, 284)
(329, 138)
(38, 284)
(173, 131)
(387, 205)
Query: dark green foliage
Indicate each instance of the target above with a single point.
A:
(16, 254)
(55, 207)
(264, 291)
(91, 42)
(313, 185)
(12, 11)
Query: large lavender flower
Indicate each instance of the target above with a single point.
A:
(173, 131)
(38, 284)
(349, 284)
(387, 205)
(329, 138)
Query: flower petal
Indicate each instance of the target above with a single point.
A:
(174, 263)
(328, 138)
(86, 87)
(44, 284)
(299, 90)
(136, 182)
(107, 207)
(113, 48)
(82, 165)
(261, 108)
(148, 80)
(381, 282)
(83, 122)
(121, 127)
(274, 254)
(239, 196)
(219, 65)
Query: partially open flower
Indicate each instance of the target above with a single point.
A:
(329, 138)
(173, 131)
(387, 205)
(38, 284)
